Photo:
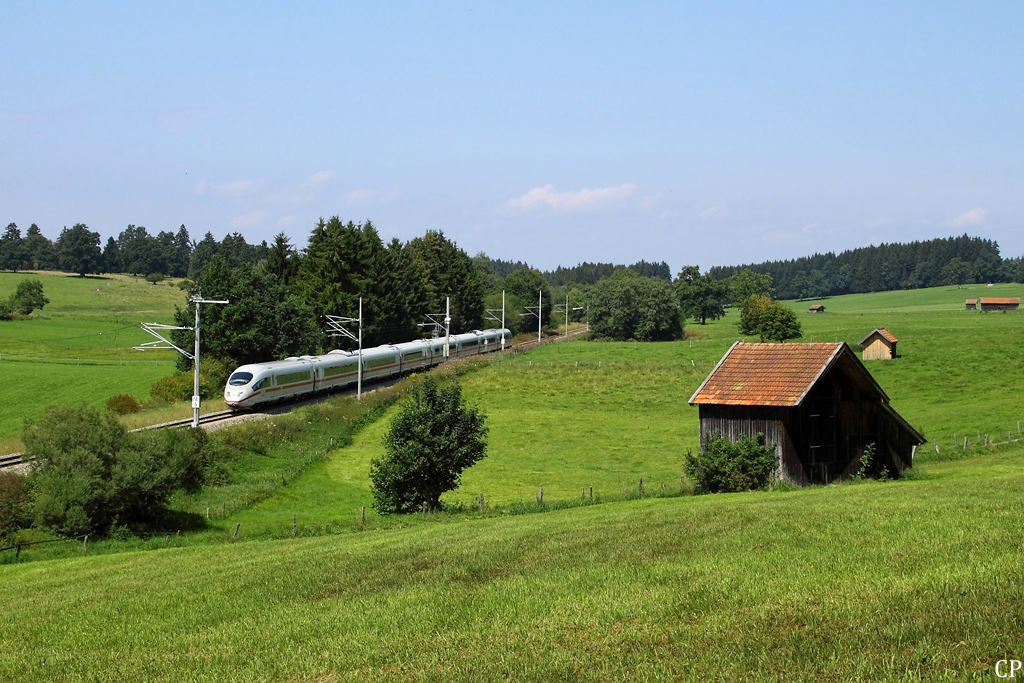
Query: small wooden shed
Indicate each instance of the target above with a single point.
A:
(1000, 304)
(816, 308)
(816, 403)
(879, 345)
(971, 305)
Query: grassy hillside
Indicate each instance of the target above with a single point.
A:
(603, 415)
(79, 347)
(911, 579)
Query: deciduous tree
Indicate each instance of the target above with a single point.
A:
(700, 297)
(628, 306)
(434, 438)
(79, 250)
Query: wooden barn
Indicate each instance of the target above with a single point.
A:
(816, 308)
(971, 305)
(1000, 304)
(816, 403)
(879, 345)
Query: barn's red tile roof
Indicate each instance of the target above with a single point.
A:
(882, 331)
(971, 302)
(816, 307)
(1000, 301)
(767, 374)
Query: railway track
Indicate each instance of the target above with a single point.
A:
(10, 460)
(14, 459)
(209, 418)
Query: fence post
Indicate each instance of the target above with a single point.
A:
(207, 512)
(965, 443)
(362, 517)
(640, 486)
(481, 503)
(591, 493)
(223, 510)
(85, 544)
(295, 525)
(235, 535)
(663, 486)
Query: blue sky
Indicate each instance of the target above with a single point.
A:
(554, 133)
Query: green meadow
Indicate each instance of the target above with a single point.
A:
(79, 346)
(908, 580)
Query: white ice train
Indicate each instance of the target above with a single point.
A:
(257, 383)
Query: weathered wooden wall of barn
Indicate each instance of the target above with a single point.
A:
(774, 423)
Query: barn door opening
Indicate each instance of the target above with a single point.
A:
(823, 462)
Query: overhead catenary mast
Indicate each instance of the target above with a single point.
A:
(164, 343)
(336, 328)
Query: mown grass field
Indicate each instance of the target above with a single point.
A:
(916, 579)
(880, 581)
(79, 346)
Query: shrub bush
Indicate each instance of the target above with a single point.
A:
(91, 475)
(723, 466)
(15, 504)
(28, 296)
(123, 404)
(213, 375)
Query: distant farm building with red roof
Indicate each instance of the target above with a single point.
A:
(816, 308)
(971, 305)
(879, 345)
(1000, 304)
(816, 403)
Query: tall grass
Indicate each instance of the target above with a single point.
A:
(918, 579)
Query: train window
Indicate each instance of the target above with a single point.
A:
(255, 387)
(339, 369)
(291, 377)
(379, 362)
(239, 379)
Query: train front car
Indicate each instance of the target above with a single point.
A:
(245, 386)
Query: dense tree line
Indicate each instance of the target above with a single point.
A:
(944, 261)
(591, 273)
(134, 251)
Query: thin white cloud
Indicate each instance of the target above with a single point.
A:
(358, 196)
(568, 201)
(248, 219)
(713, 211)
(318, 178)
(367, 196)
(649, 202)
(286, 221)
(972, 217)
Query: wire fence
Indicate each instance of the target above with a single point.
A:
(982, 440)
